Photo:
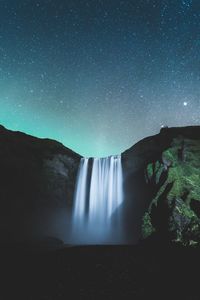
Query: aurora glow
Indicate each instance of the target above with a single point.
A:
(99, 75)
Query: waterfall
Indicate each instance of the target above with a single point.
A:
(98, 196)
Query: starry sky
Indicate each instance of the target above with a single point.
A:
(99, 75)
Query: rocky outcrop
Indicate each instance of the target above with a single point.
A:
(37, 178)
(162, 186)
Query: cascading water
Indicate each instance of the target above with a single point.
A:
(97, 200)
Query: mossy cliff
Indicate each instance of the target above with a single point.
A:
(162, 187)
(174, 211)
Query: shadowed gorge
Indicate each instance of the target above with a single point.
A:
(159, 215)
(160, 188)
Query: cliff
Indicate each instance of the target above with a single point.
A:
(162, 184)
(161, 187)
(37, 178)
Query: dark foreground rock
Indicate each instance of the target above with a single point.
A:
(103, 272)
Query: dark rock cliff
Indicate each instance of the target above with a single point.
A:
(37, 178)
(161, 187)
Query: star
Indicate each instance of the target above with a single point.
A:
(101, 77)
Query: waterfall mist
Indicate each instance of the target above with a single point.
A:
(97, 201)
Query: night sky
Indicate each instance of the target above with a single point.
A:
(99, 75)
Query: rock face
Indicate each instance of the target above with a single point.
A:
(37, 178)
(162, 187)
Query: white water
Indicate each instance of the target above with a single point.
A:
(98, 194)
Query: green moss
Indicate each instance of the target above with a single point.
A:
(158, 195)
(170, 155)
(182, 161)
(186, 174)
(160, 169)
(147, 228)
(150, 170)
(185, 210)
